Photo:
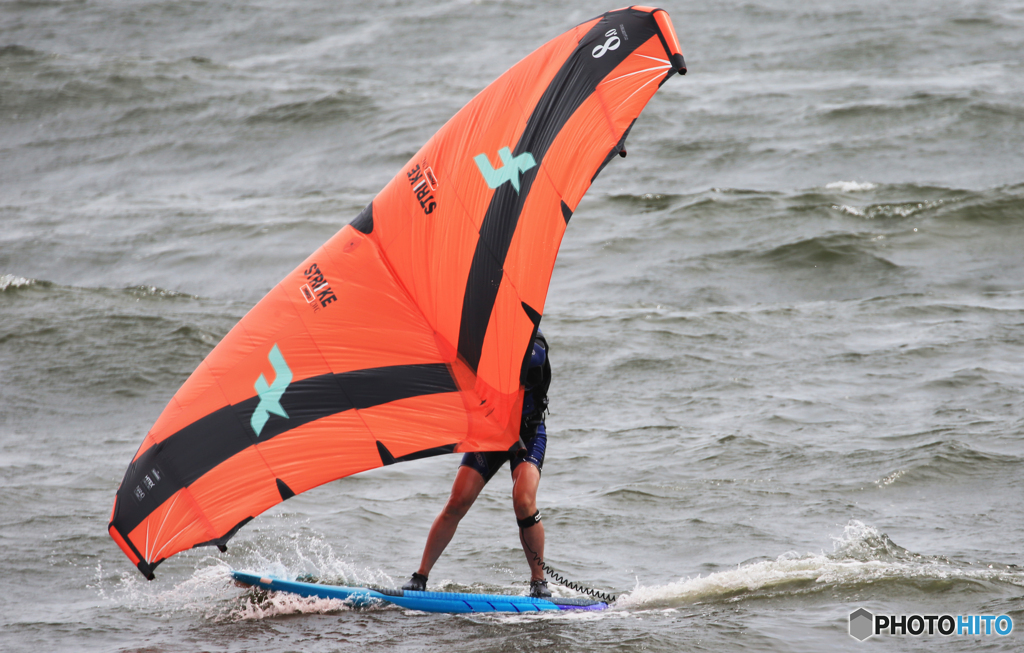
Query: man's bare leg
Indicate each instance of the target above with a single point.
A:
(525, 481)
(466, 488)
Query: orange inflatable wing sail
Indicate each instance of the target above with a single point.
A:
(407, 334)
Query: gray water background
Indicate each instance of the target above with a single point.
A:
(786, 330)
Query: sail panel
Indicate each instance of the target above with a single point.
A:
(314, 454)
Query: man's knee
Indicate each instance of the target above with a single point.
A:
(524, 490)
(457, 507)
(525, 504)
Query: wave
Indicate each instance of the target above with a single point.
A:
(1000, 206)
(339, 106)
(863, 559)
(946, 460)
(890, 210)
(645, 202)
(850, 186)
(952, 111)
(918, 105)
(864, 199)
(155, 291)
(13, 282)
(837, 250)
(88, 342)
(154, 94)
(42, 84)
(9, 52)
(995, 206)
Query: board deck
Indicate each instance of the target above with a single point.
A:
(452, 602)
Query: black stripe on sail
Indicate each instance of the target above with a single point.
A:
(285, 491)
(187, 455)
(572, 85)
(364, 221)
(387, 458)
(427, 453)
(219, 542)
(566, 212)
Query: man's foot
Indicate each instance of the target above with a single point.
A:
(418, 583)
(539, 589)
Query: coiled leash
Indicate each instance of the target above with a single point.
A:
(533, 520)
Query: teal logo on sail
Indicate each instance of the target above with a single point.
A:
(270, 393)
(510, 169)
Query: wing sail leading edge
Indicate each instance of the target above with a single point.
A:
(404, 335)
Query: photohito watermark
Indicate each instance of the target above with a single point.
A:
(863, 624)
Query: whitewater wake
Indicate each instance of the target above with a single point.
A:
(861, 556)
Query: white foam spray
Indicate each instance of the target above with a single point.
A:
(850, 186)
(861, 554)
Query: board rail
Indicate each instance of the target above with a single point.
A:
(442, 602)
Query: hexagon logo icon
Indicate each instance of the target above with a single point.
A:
(861, 624)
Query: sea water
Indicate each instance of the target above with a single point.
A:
(787, 332)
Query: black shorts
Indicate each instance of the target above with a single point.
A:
(489, 462)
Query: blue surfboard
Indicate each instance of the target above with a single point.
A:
(362, 597)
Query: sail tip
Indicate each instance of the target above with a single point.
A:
(144, 567)
(678, 63)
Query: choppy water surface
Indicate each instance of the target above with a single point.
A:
(786, 330)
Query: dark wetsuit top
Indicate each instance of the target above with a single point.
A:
(532, 433)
